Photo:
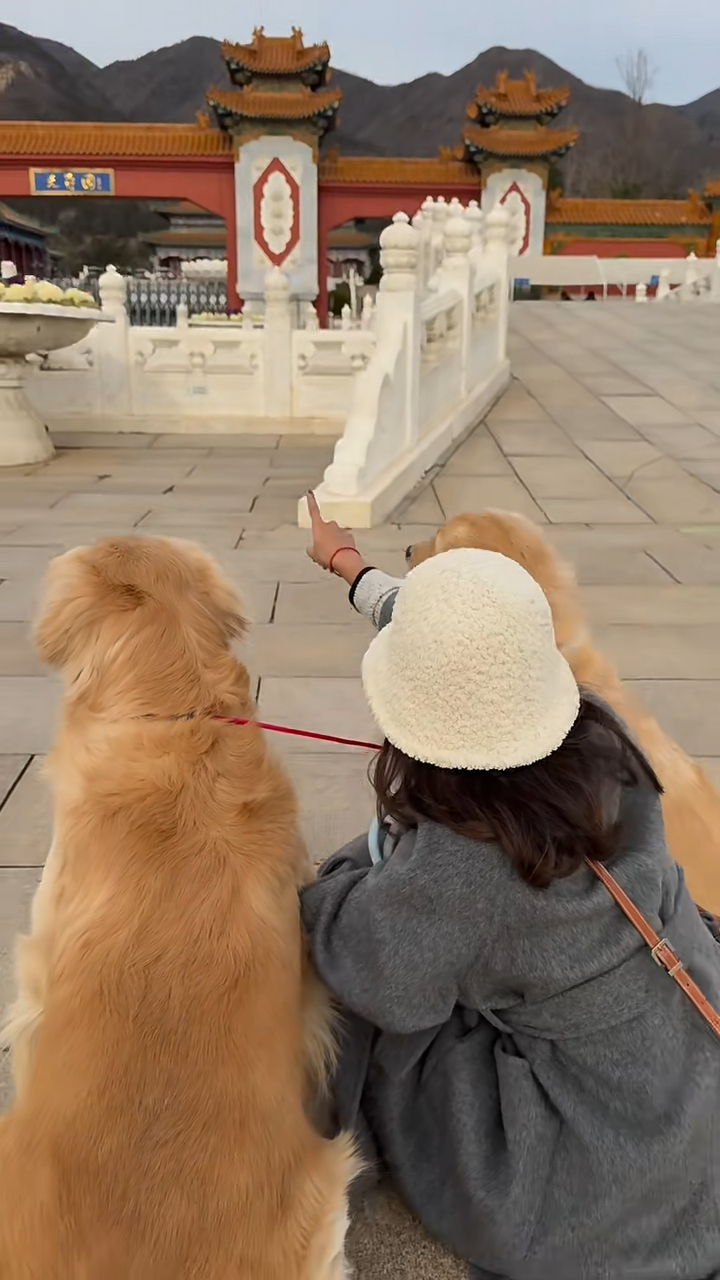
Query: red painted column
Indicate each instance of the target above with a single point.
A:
(233, 299)
(322, 298)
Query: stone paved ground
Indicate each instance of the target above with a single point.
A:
(609, 434)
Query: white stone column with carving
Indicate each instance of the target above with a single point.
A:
(113, 348)
(498, 229)
(277, 344)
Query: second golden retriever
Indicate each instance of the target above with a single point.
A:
(691, 805)
(165, 1021)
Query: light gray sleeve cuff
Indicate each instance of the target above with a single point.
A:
(374, 595)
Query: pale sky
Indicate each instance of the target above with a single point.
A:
(396, 40)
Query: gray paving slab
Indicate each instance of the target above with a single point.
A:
(26, 819)
(11, 768)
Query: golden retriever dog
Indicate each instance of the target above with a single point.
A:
(166, 1024)
(691, 805)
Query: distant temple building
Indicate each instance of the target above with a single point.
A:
(23, 241)
(190, 233)
(513, 146)
(276, 113)
(251, 180)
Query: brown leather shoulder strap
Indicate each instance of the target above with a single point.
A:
(660, 949)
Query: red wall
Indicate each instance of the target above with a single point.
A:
(625, 249)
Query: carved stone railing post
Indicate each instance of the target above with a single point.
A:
(456, 274)
(498, 229)
(113, 347)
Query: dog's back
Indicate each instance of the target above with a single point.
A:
(163, 1121)
(160, 1133)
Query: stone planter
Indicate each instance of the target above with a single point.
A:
(27, 328)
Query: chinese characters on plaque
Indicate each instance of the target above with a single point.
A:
(72, 182)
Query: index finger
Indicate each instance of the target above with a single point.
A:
(313, 508)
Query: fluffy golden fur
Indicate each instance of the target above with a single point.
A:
(166, 1017)
(691, 805)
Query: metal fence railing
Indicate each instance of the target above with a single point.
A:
(155, 302)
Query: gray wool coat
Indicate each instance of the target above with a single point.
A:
(545, 1097)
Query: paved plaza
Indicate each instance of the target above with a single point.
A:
(609, 435)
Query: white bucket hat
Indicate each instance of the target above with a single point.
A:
(467, 675)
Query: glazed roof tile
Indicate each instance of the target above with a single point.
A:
(61, 142)
(276, 55)
(23, 221)
(520, 98)
(628, 213)
(499, 140)
(300, 104)
(712, 190)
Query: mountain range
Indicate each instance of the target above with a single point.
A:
(654, 150)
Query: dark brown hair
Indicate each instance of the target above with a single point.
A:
(548, 816)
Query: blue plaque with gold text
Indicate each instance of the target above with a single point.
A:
(72, 182)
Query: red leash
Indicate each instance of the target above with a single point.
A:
(303, 733)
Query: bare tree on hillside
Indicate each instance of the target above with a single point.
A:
(634, 169)
(637, 76)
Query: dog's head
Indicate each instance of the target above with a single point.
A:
(503, 531)
(519, 539)
(141, 620)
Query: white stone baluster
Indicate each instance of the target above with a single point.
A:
(497, 244)
(311, 318)
(112, 344)
(346, 317)
(497, 230)
(113, 291)
(663, 290)
(641, 293)
(439, 218)
(689, 289)
(456, 274)
(476, 219)
(422, 222)
(367, 319)
(278, 345)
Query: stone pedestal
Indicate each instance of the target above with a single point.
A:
(26, 329)
(24, 438)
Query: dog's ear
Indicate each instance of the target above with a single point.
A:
(68, 611)
(84, 588)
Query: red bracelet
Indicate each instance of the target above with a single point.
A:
(335, 555)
